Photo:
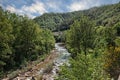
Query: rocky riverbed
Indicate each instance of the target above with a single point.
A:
(47, 69)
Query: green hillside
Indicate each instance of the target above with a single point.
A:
(106, 15)
(35, 48)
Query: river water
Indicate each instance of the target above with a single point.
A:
(63, 54)
(63, 58)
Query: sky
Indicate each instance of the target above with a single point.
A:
(33, 8)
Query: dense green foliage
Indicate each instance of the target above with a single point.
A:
(21, 40)
(112, 54)
(93, 41)
(84, 68)
(88, 45)
(53, 21)
(112, 61)
(81, 36)
(107, 15)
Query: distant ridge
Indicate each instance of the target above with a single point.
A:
(106, 15)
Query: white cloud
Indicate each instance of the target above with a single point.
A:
(115, 1)
(1, 5)
(14, 10)
(83, 4)
(30, 15)
(11, 9)
(19, 11)
(37, 7)
(52, 4)
(55, 5)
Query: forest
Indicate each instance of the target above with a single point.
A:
(106, 15)
(91, 36)
(95, 51)
(21, 41)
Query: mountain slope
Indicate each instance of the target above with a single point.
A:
(106, 15)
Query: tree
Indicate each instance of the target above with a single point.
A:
(81, 35)
(21, 40)
(117, 28)
(112, 61)
(78, 70)
(6, 41)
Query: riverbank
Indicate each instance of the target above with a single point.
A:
(46, 69)
(30, 69)
(63, 58)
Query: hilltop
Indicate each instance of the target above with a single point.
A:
(106, 15)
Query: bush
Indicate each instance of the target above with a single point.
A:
(84, 68)
(112, 61)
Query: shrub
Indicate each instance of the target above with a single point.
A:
(84, 68)
(112, 61)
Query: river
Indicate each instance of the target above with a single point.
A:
(47, 69)
(63, 58)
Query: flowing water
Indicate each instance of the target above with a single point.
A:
(57, 61)
(63, 58)
(63, 55)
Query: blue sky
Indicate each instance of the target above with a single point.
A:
(33, 8)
